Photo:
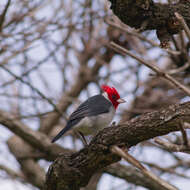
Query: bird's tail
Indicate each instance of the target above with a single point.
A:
(61, 133)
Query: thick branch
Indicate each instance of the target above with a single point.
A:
(155, 15)
(73, 171)
(36, 139)
(31, 170)
(147, 15)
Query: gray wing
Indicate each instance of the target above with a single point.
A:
(95, 105)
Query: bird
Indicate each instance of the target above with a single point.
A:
(93, 114)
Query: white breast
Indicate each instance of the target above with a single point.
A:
(91, 125)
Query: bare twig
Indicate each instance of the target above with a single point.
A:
(13, 174)
(183, 23)
(172, 147)
(147, 173)
(178, 70)
(170, 170)
(184, 134)
(141, 37)
(33, 88)
(2, 16)
(127, 157)
(156, 69)
(131, 175)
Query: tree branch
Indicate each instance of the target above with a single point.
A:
(2, 16)
(131, 175)
(72, 171)
(36, 139)
(161, 184)
(156, 69)
(148, 15)
(11, 173)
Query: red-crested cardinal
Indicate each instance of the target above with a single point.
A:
(94, 114)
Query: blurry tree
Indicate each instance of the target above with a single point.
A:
(55, 54)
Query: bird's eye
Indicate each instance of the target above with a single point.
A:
(114, 97)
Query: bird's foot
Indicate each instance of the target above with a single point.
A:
(82, 137)
(113, 124)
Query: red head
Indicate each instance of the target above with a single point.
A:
(113, 95)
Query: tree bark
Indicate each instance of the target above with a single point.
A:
(147, 15)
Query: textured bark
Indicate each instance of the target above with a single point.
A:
(72, 171)
(147, 15)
